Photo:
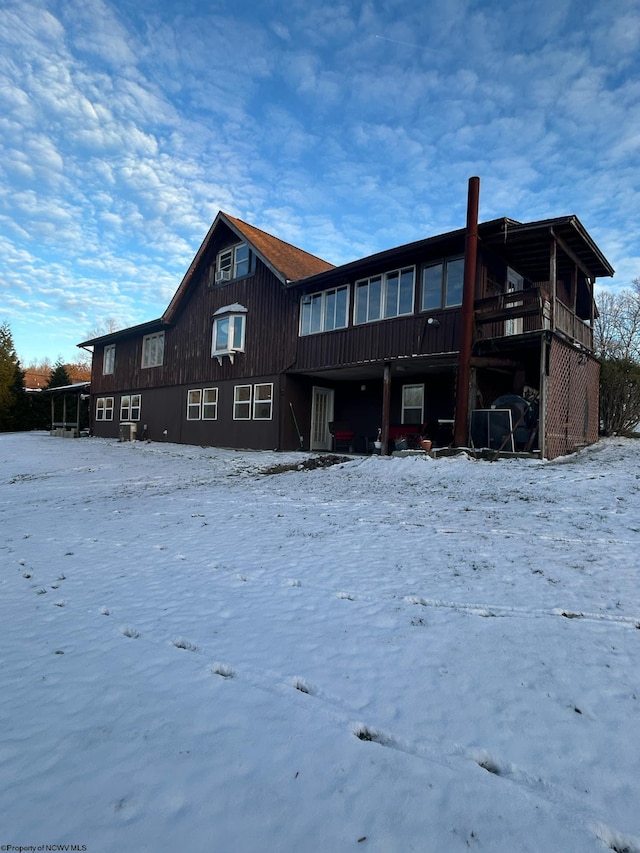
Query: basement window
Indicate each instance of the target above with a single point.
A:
(130, 407)
(412, 404)
(104, 409)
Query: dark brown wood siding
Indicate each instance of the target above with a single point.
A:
(384, 340)
(270, 338)
(163, 417)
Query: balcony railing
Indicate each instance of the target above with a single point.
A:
(530, 310)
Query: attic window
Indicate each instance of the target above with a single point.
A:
(228, 331)
(234, 262)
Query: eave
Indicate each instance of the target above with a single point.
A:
(130, 332)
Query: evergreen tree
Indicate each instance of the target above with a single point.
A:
(59, 376)
(13, 397)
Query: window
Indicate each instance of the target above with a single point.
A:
(412, 404)
(194, 398)
(130, 408)
(104, 409)
(383, 296)
(242, 403)
(109, 359)
(324, 311)
(234, 262)
(442, 284)
(210, 404)
(153, 350)
(228, 331)
(263, 401)
(202, 403)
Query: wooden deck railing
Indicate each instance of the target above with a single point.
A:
(529, 310)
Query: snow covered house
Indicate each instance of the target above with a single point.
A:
(482, 336)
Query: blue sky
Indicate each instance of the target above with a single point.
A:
(343, 127)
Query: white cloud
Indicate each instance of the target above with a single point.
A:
(342, 129)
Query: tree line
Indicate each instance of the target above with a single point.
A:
(617, 345)
(21, 407)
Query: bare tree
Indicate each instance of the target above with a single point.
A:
(105, 327)
(617, 328)
(617, 343)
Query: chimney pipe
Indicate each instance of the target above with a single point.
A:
(461, 423)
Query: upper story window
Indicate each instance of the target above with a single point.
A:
(442, 284)
(228, 331)
(324, 311)
(153, 350)
(234, 262)
(109, 359)
(383, 296)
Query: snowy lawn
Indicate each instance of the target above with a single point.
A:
(387, 655)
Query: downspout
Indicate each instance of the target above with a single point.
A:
(461, 423)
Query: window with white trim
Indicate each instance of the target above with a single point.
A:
(109, 359)
(263, 401)
(228, 331)
(202, 404)
(384, 296)
(104, 409)
(242, 402)
(130, 407)
(194, 400)
(153, 350)
(412, 404)
(234, 262)
(442, 284)
(209, 404)
(324, 311)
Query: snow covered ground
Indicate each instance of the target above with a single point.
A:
(388, 655)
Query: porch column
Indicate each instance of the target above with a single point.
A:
(542, 397)
(386, 409)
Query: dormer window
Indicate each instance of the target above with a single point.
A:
(228, 331)
(234, 262)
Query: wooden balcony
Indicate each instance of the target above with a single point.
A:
(530, 310)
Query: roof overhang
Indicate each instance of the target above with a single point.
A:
(527, 248)
(75, 388)
(132, 331)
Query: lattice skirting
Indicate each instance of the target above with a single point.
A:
(572, 396)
